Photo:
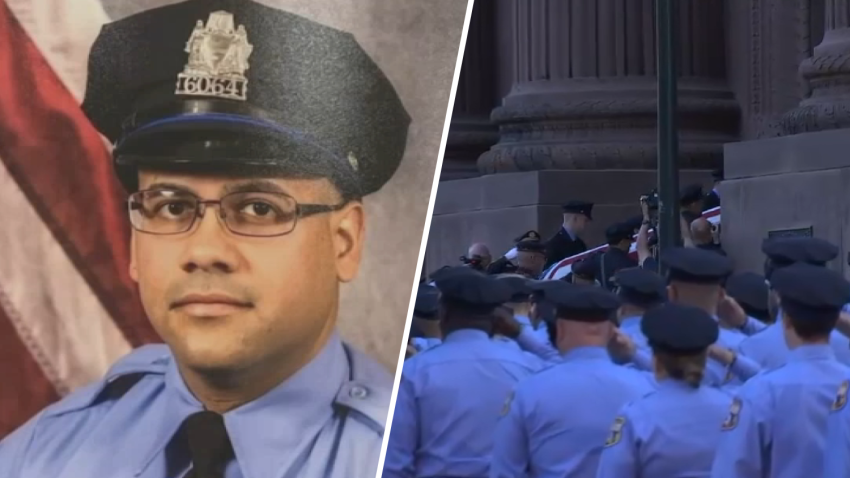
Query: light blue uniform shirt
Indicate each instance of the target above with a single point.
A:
(768, 347)
(448, 404)
(670, 433)
(776, 427)
(422, 344)
(539, 331)
(326, 420)
(837, 462)
(558, 420)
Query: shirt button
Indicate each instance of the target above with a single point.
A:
(358, 392)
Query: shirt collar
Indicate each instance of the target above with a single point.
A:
(811, 352)
(675, 385)
(586, 353)
(569, 233)
(466, 335)
(298, 408)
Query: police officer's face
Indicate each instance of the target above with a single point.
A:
(224, 301)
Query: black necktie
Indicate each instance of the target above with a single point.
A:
(209, 445)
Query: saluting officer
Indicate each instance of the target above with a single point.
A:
(777, 424)
(245, 200)
(768, 347)
(450, 396)
(556, 422)
(673, 431)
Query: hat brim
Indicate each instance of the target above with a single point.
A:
(228, 144)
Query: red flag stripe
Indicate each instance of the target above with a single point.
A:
(26, 389)
(60, 163)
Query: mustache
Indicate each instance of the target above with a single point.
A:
(209, 285)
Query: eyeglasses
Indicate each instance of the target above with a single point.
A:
(256, 214)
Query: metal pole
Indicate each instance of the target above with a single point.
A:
(668, 136)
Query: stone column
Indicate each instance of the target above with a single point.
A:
(471, 132)
(827, 73)
(585, 97)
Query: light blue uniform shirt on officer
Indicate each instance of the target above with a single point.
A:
(558, 420)
(539, 331)
(326, 420)
(837, 461)
(422, 344)
(448, 403)
(670, 433)
(768, 347)
(776, 428)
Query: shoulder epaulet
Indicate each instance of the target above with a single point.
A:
(368, 393)
(121, 377)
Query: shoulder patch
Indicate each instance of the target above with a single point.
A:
(616, 431)
(734, 414)
(506, 408)
(841, 397)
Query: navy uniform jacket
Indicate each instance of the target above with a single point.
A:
(560, 246)
(327, 420)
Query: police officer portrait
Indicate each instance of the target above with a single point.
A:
(250, 143)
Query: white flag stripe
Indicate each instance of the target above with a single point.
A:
(64, 32)
(74, 339)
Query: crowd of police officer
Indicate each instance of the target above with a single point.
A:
(661, 377)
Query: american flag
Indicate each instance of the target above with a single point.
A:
(68, 308)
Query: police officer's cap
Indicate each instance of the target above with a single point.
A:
(579, 207)
(520, 287)
(585, 268)
(810, 292)
(531, 246)
(425, 306)
(679, 329)
(640, 286)
(788, 250)
(528, 236)
(236, 87)
(582, 303)
(618, 232)
(750, 291)
(691, 194)
(473, 291)
(697, 266)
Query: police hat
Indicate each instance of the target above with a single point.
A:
(582, 303)
(750, 291)
(530, 236)
(788, 250)
(697, 266)
(236, 87)
(679, 329)
(691, 194)
(425, 306)
(473, 291)
(520, 287)
(585, 267)
(640, 287)
(810, 292)
(531, 246)
(618, 232)
(579, 207)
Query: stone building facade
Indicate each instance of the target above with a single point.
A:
(557, 101)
